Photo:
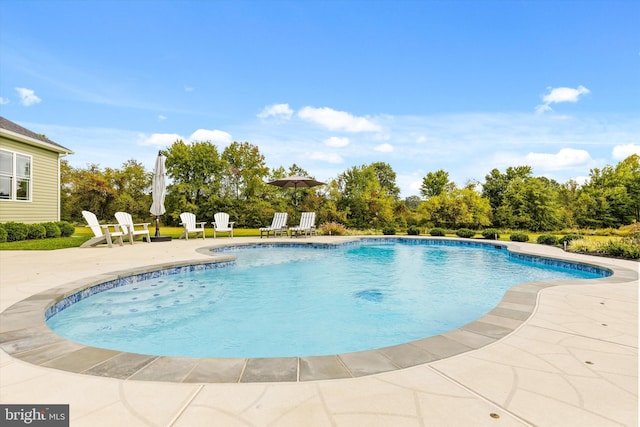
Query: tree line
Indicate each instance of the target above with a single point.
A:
(205, 180)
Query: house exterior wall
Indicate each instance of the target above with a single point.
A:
(44, 205)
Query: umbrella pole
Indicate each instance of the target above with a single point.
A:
(157, 226)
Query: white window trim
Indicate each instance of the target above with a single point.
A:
(14, 177)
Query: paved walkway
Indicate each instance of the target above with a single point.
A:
(573, 362)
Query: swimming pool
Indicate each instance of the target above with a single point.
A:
(284, 300)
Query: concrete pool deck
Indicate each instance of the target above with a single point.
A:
(572, 362)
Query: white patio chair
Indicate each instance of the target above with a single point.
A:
(222, 224)
(101, 233)
(190, 225)
(307, 225)
(278, 225)
(132, 230)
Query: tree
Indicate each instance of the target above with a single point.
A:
(245, 169)
(132, 184)
(66, 191)
(364, 199)
(496, 183)
(611, 198)
(530, 203)
(628, 172)
(387, 179)
(435, 183)
(412, 202)
(457, 208)
(592, 209)
(294, 169)
(567, 200)
(195, 170)
(89, 189)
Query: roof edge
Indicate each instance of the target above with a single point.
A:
(32, 141)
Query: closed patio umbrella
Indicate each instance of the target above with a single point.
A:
(158, 192)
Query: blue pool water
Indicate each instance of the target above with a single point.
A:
(282, 301)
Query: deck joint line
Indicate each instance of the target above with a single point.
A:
(186, 405)
(479, 396)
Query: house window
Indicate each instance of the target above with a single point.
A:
(15, 176)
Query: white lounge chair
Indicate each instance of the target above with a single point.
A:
(129, 228)
(307, 225)
(278, 225)
(190, 225)
(222, 224)
(102, 233)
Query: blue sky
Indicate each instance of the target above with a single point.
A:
(464, 86)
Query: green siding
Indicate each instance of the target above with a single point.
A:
(45, 191)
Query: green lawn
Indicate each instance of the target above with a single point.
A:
(82, 234)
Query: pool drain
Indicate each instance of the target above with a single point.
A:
(372, 295)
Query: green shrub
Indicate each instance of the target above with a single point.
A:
(630, 230)
(66, 229)
(52, 229)
(569, 237)
(609, 231)
(519, 237)
(627, 247)
(36, 231)
(547, 239)
(584, 246)
(465, 232)
(332, 229)
(623, 248)
(389, 231)
(437, 232)
(3, 234)
(413, 231)
(491, 233)
(16, 231)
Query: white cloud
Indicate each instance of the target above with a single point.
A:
(188, 88)
(336, 141)
(282, 111)
(326, 157)
(564, 94)
(384, 148)
(162, 118)
(414, 186)
(561, 94)
(621, 152)
(27, 96)
(338, 120)
(565, 158)
(166, 139)
(216, 136)
(158, 139)
(3, 101)
(542, 108)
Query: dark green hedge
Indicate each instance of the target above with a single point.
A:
(17, 231)
(465, 232)
(519, 237)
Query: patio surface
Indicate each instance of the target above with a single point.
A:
(574, 361)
